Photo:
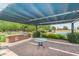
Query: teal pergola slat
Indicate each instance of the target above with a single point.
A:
(33, 13)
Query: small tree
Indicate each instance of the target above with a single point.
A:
(78, 28)
(65, 28)
(44, 27)
(54, 28)
(24, 27)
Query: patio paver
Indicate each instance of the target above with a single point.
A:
(30, 49)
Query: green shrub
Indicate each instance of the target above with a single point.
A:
(45, 35)
(61, 36)
(73, 37)
(2, 38)
(36, 34)
(54, 36)
(42, 31)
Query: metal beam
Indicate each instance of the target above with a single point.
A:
(58, 22)
(75, 11)
(76, 20)
(55, 22)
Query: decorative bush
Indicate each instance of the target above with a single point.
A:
(54, 36)
(36, 34)
(42, 31)
(73, 37)
(2, 38)
(45, 35)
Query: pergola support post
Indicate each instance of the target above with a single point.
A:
(72, 27)
(36, 27)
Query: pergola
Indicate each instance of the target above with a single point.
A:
(41, 13)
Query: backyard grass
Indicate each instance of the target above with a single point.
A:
(2, 38)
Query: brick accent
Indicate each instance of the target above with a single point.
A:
(15, 38)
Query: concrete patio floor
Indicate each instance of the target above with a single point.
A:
(52, 48)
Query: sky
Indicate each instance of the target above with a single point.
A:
(76, 24)
(4, 5)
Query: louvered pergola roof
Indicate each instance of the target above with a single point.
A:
(41, 13)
